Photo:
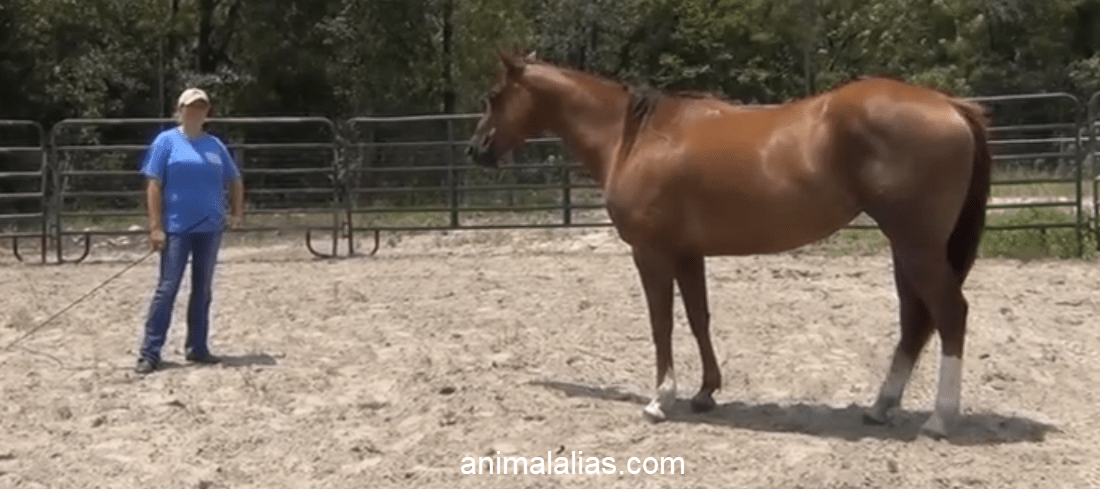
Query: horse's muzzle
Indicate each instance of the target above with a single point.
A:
(480, 150)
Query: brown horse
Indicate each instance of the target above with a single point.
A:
(689, 176)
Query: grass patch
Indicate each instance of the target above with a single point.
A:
(850, 242)
(1054, 235)
(1067, 188)
(1027, 244)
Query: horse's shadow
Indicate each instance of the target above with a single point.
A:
(817, 419)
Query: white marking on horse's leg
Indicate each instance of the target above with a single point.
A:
(889, 396)
(947, 398)
(666, 395)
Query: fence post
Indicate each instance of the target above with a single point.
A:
(56, 199)
(342, 180)
(1082, 222)
(45, 169)
(1092, 153)
(452, 175)
(566, 195)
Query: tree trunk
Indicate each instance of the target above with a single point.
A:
(448, 58)
(206, 58)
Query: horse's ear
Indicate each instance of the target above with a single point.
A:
(514, 64)
(531, 57)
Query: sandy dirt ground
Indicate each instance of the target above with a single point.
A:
(388, 371)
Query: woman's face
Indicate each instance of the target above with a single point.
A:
(196, 112)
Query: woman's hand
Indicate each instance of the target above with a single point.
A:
(157, 238)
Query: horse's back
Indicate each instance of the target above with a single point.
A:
(717, 179)
(727, 179)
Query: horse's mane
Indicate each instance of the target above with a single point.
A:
(642, 100)
(641, 103)
(642, 97)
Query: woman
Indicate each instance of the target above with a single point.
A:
(187, 172)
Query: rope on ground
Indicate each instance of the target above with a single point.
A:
(76, 302)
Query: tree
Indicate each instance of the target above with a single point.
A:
(719, 45)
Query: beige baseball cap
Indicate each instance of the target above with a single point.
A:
(191, 95)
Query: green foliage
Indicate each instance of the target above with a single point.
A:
(720, 46)
(337, 58)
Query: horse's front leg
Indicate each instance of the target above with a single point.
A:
(692, 278)
(657, 272)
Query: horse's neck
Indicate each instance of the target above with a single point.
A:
(587, 116)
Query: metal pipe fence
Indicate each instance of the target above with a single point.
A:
(23, 185)
(409, 173)
(1038, 162)
(288, 165)
(393, 174)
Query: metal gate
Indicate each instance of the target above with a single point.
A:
(411, 173)
(1038, 164)
(288, 164)
(23, 207)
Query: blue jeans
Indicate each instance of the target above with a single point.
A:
(202, 248)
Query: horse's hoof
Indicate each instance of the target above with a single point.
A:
(935, 428)
(702, 402)
(875, 418)
(879, 413)
(654, 413)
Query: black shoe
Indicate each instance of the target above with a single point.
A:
(145, 366)
(205, 359)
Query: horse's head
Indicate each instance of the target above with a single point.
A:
(509, 114)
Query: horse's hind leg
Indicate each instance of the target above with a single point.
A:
(691, 276)
(657, 271)
(916, 328)
(930, 275)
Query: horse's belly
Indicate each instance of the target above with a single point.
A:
(763, 228)
(719, 215)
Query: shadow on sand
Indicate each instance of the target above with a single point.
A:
(817, 419)
(249, 360)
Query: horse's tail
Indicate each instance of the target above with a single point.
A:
(962, 247)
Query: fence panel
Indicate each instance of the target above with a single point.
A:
(23, 178)
(1091, 162)
(412, 173)
(288, 165)
(409, 173)
(1037, 183)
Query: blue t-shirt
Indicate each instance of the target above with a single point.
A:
(193, 175)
